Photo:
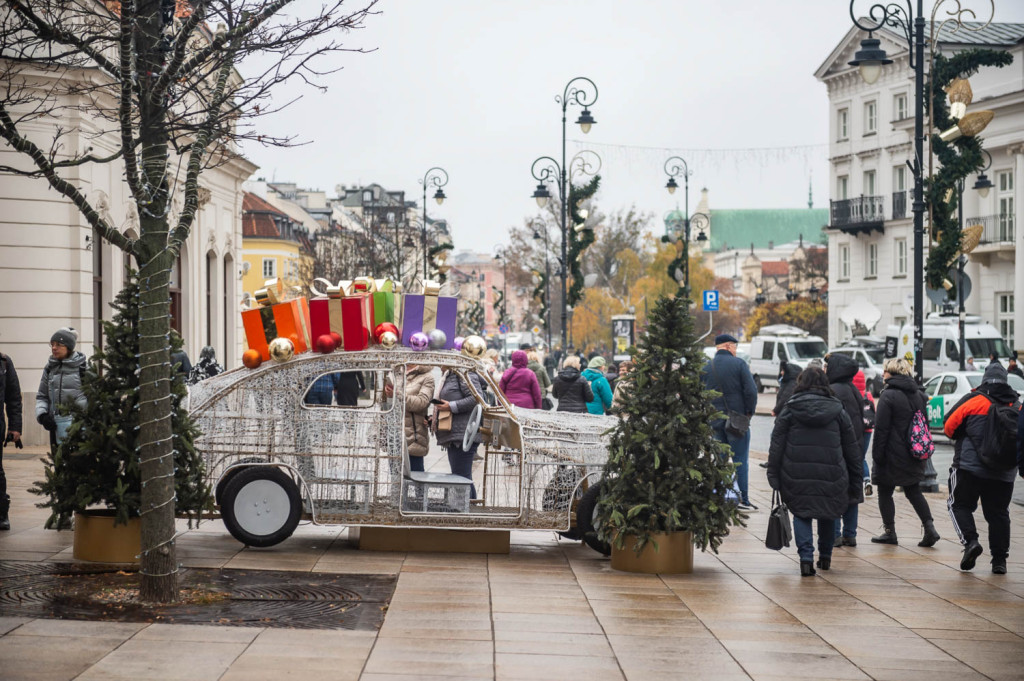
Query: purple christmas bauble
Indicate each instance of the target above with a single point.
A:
(457, 343)
(419, 341)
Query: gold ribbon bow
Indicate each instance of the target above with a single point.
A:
(272, 293)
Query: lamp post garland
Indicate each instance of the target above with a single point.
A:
(544, 287)
(435, 177)
(582, 92)
(870, 59)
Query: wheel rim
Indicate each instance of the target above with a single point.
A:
(262, 507)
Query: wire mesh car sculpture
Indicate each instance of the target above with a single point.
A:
(273, 459)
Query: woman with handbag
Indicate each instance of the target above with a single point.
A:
(457, 398)
(814, 462)
(419, 390)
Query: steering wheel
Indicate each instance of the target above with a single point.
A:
(475, 418)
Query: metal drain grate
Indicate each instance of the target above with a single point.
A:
(263, 598)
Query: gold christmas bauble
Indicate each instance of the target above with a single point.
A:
(388, 340)
(281, 349)
(474, 346)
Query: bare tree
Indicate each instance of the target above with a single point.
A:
(158, 80)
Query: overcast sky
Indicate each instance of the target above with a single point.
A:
(469, 85)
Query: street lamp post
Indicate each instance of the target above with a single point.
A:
(438, 178)
(577, 91)
(547, 282)
(504, 301)
(674, 167)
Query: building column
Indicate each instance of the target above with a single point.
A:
(1018, 270)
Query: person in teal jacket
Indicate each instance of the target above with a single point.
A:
(594, 373)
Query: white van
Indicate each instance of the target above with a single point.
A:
(941, 348)
(780, 342)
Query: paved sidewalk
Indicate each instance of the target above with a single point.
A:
(556, 610)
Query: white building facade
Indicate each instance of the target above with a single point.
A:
(871, 221)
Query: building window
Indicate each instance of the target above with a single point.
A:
(843, 124)
(1006, 207)
(1005, 317)
(869, 183)
(269, 268)
(871, 265)
(899, 106)
(870, 118)
(899, 178)
(97, 290)
(900, 266)
(842, 188)
(844, 262)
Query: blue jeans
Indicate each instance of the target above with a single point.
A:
(847, 525)
(416, 463)
(804, 536)
(461, 462)
(867, 448)
(740, 456)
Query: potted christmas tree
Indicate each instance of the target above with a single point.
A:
(665, 483)
(95, 474)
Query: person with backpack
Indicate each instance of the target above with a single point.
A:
(599, 386)
(841, 370)
(901, 447)
(983, 426)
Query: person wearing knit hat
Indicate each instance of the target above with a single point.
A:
(61, 384)
(599, 385)
(972, 478)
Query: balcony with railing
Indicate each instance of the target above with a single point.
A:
(900, 200)
(861, 215)
(997, 230)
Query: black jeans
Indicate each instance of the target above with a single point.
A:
(5, 501)
(888, 509)
(965, 488)
(461, 462)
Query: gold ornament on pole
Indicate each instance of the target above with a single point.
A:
(960, 96)
(969, 126)
(970, 238)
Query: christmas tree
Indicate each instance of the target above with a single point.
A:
(98, 462)
(665, 471)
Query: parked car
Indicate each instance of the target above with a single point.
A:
(945, 390)
(273, 460)
(870, 361)
(782, 342)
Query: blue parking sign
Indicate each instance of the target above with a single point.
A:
(711, 301)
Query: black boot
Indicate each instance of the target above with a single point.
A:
(971, 553)
(5, 507)
(887, 537)
(930, 534)
(5, 523)
(824, 562)
(806, 568)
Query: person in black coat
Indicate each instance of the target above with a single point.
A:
(728, 374)
(787, 381)
(814, 461)
(840, 370)
(570, 388)
(894, 466)
(347, 386)
(10, 432)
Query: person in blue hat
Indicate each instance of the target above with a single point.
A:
(730, 375)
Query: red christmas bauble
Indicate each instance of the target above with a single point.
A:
(325, 344)
(337, 339)
(252, 358)
(383, 328)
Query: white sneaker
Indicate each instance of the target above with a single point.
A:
(868, 489)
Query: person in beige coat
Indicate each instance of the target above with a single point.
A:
(419, 390)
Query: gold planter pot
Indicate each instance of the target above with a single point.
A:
(674, 555)
(98, 539)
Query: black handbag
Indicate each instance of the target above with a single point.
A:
(780, 530)
(546, 403)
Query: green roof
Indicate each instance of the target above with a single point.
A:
(737, 229)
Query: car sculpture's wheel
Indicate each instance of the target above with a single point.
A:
(475, 418)
(561, 489)
(758, 384)
(222, 484)
(586, 515)
(261, 506)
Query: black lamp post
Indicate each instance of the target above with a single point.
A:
(437, 178)
(674, 167)
(577, 91)
(547, 281)
(870, 59)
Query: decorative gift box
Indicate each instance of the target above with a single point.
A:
(428, 311)
(276, 318)
(325, 308)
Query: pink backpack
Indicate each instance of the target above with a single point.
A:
(920, 437)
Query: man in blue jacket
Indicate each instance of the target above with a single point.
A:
(730, 375)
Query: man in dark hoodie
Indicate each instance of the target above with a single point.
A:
(970, 479)
(840, 370)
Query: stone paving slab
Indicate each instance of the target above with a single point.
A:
(553, 609)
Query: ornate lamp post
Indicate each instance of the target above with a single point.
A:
(435, 177)
(547, 281)
(582, 92)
